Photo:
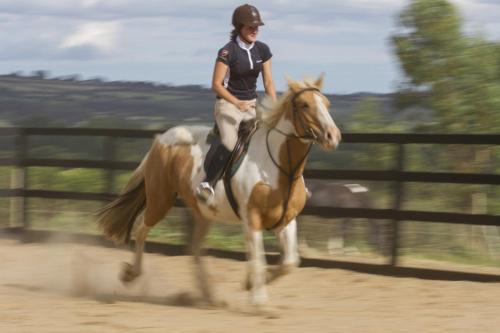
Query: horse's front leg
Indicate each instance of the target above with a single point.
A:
(256, 264)
(290, 258)
(289, 248)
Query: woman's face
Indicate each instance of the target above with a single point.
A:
(249, 34)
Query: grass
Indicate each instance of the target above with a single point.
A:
(5, 174)
(432, 244)
(443, 242)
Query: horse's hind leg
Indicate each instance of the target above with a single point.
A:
(131, 271)
(152, 215)
(200, 230)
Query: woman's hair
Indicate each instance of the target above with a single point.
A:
(234, 33)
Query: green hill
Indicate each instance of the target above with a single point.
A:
(38, 101)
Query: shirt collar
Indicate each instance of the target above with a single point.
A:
(244, 45)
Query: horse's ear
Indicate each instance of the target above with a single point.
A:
(293, 85)
(319, 82)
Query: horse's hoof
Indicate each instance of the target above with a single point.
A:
(272, 273)
(265, 311)
(259, 299)
(128, 274)
(247, 285)
(286, 269)
(213, 303)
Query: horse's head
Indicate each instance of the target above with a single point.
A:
(309, 113)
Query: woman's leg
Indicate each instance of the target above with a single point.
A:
(228, 118)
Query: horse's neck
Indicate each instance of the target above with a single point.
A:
(289, 153)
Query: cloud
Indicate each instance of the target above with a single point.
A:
(327, 55)
(324, 28)
(184, 36)
(112, 9)
(100, 36)
(480, 15)
(79, 52)
(47, 39)
(362, 7)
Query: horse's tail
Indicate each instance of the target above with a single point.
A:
(117, 218)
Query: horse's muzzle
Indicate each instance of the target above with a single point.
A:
(331, 138)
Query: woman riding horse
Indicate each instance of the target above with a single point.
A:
(237, 68)
(268, 185)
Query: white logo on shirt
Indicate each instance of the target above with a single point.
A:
(258, 61)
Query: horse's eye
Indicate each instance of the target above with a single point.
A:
(302, 105)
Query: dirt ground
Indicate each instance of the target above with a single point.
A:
(74, 288)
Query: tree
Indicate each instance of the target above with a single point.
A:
(455, 75)
(41, 74)
(369, 118)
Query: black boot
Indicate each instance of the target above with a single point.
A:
(215, 165)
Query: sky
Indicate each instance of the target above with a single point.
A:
(176, 42)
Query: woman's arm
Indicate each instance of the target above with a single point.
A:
(220, 71)
(267, 78)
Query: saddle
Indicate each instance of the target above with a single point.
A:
(215, 156)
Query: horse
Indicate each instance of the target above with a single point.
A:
(268, 186)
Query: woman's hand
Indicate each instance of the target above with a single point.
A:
(243, 106)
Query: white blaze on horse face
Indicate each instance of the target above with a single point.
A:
(331, 133)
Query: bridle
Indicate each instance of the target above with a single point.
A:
(310, 136)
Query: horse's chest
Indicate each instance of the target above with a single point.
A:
(267, 206)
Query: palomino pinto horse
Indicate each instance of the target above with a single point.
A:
(268, 185)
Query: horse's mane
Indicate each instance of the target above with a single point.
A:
(269, 112)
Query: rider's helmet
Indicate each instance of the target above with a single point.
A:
(246, 15)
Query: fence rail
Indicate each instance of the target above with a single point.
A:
(338, 174)
(398, 176)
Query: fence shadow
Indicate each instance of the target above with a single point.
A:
(41, 236)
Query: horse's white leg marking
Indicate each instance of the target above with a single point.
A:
(256, 265)
(288, 243)
(130, 272)
(289, 252)
(201, 229)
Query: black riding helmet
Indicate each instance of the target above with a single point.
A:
(246, 15)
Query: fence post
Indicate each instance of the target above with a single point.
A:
(109, 155)
(398, 202)
(18, 213)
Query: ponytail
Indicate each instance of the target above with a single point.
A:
(234, 33)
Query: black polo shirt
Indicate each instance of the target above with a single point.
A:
(245, 64)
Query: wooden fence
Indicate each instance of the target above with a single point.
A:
(21, 161)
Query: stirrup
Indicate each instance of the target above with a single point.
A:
(204, 191)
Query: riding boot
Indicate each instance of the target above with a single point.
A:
(214, 169)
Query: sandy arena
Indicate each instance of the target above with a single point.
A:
(74, 288)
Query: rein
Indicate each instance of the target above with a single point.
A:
(310, 136)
